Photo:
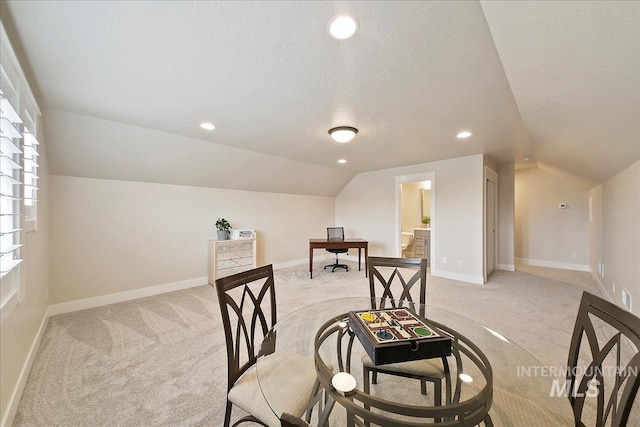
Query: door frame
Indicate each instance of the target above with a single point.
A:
(401, 179)
(489, 175)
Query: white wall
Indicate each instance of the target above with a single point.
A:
(545, 234)
(506, 217)
(616, 234)
(20, 331)
(366, 207)
(411, 205)
(113, 236)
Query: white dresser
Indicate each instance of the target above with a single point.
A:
(227, 257)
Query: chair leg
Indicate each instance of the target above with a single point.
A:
(374, 380)
(227, 414)
(423, 386)
(365, 383)
(437, 393)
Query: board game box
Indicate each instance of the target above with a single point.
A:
(397, 335)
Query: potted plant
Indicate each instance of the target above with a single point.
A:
(426, 221)
(223, 227)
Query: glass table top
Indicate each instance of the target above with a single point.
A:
(523, 393)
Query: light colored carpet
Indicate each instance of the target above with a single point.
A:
(161, 360)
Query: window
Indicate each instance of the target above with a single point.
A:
(18, 174)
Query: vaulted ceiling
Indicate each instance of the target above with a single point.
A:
(559, 81)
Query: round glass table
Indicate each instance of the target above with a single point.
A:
(489, 379)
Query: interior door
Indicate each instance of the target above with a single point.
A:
(490, 226)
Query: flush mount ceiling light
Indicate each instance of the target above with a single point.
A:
(343, 27)
(464, 134)
(342, 161)
(207, 126)
(343, 133)
(527, 158)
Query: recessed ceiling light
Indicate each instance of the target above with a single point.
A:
(464, 134)
(342, 161)
(527, 158)
(343, 133)
(207, 126)
(343, 27)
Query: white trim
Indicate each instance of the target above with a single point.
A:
(553, 264)
(489, 175)
(9, 305)
(601, 287)
(416, 177)
(82, 304)
(300, 261)
(15, 63)
(14, 400)
(507, 267)
(476, 280)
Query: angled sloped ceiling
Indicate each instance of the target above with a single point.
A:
(84, 146)
(574, 69)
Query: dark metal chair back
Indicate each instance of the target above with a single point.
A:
(396, 288)
(335, 233)
(288, 420)
(622, 328)
(246, 321)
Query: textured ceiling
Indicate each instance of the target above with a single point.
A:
(270, 78)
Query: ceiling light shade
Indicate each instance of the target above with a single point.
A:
(342, 161)
(343, 133)
(464, 134)
(343, 27)
(207, 126)
(527, 158)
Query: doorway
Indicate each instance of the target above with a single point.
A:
(415, 216)
(490, 221)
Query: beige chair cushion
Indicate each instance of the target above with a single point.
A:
(428, 368)
(287, 377)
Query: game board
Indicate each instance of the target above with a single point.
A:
(396, 335)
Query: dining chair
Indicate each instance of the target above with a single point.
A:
(288, 420)
(396, 291)
(602, 374)
(248, 308)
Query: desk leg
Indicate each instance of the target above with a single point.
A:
(366, 261)
(359, 252)
(310, 262)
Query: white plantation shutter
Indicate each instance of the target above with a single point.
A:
(19, 115)
(10, 181)
(30, 155)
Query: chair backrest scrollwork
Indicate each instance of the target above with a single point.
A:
(613, 336)
(248, 307)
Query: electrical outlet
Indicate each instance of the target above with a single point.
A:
(444, 260)
(562, 206)
(460, 262)
(574, 254)
(601, 265)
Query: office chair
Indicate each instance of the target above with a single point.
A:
(336, 234)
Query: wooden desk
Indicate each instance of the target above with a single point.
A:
(340, 244)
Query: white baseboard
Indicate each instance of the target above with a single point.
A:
(507, 267)
(286, 264)
(553, 264)
(601, 287)
(82, 304)
(476, 280)
(14, 400)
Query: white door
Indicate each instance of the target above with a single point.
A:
(491, 227)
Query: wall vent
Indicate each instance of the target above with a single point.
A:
(626, 299)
